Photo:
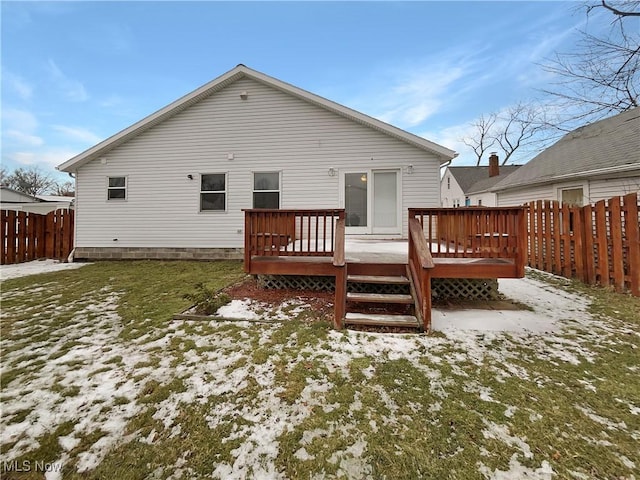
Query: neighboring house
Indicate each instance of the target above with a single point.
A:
(594, 162)
(13, 200)
(174, 184)
(468, 186)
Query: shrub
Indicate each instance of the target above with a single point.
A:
(207, 301)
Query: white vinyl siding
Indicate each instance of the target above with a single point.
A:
(451, 195)
(593, 190)
(269, 131)
(602, 189)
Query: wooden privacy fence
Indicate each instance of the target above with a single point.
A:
(28, 236)
(597, 243)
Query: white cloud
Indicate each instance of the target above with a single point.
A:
(24, 138)
(21, 120)
(16, 83)
(46, 158)
(72, 89)
(111, 101)
(76, 133)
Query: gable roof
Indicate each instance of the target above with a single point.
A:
(604, 147)
(18, 197)
(469, 177)
(226, 79)
(485, 184)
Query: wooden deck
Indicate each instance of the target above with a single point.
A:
(470, 242)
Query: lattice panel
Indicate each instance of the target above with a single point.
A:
(464, 288)
(441, 288)
(297, 282)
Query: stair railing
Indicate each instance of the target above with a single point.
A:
(420, 265)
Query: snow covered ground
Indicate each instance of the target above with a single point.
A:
(35, 267)
(85, 374)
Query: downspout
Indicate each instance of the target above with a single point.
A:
(448, 162)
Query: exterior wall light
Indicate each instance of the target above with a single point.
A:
(332, 172)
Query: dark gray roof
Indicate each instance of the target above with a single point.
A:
(469, 177)
(486, 183)
(607, 146)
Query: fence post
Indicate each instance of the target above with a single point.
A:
(587, 235)
(615, 223)
(3, 237)
(602, 237)
(632, 231)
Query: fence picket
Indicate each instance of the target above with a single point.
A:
(632, 231)
(27, 236)
(597, 243)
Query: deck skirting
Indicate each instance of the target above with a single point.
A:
(441, 288)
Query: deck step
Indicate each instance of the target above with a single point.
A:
(381, 320)
(394, 280)
(379, 298)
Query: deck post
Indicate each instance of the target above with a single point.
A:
(340, 302)
(340, 265)
(247, 242)
(426, 299)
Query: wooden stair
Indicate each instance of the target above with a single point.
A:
(396, 301)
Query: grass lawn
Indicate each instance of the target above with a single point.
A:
(99, 382)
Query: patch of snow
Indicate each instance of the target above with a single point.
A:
(501, 433)
(240, 309)
(302, 454)
(626, 462)
(35, 267)
(517, 470)
(602, 420)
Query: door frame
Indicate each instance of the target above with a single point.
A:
(369, 229)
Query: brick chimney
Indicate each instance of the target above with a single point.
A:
(494, 168)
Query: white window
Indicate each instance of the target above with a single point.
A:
(117, 188)
(266, 190)
(213, 192)
(573, 196)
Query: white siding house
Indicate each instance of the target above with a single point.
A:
(469, 186)
(595, 162)
(42, 204)
(175, 183)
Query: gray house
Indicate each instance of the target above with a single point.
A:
(174, 184)
(594, 162)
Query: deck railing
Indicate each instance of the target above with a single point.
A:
(282, 233)
(484, 232)
(420, 265)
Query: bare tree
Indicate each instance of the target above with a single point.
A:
(3, 176)
(66, 189)
(519, 127)
(31, 181)
(602, 76)
(483, 137)
(626, 5)
(522, 126)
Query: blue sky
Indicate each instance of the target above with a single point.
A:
(74, 73)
